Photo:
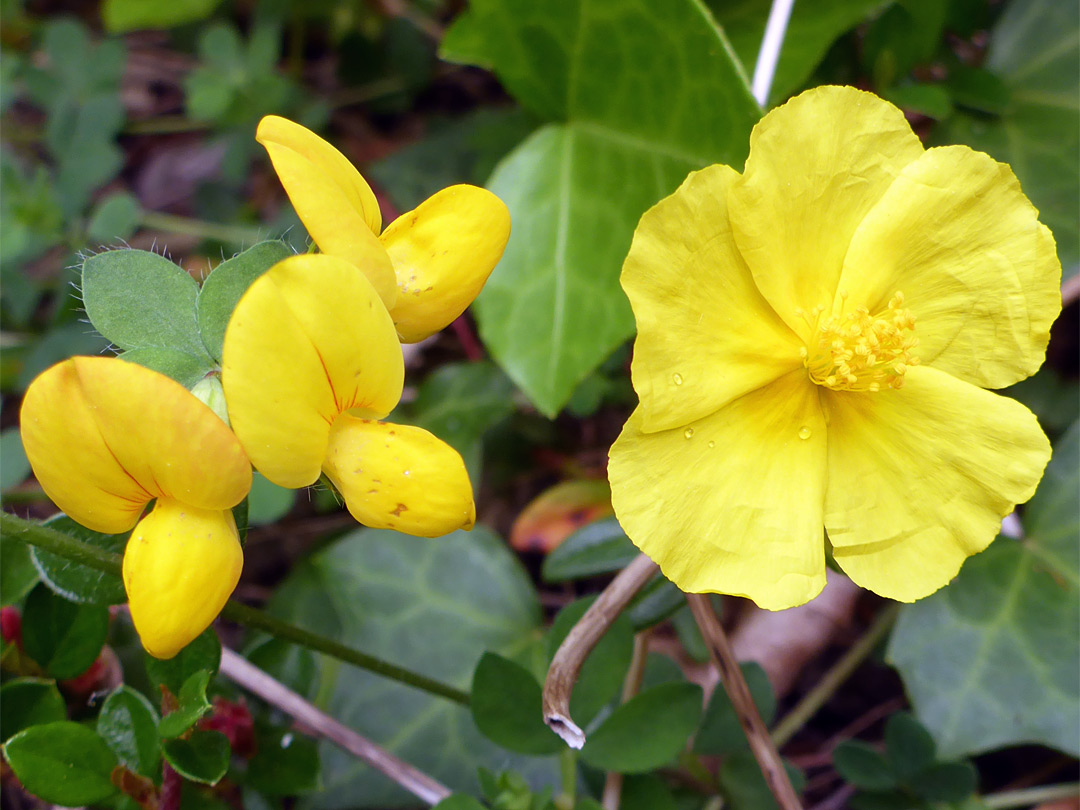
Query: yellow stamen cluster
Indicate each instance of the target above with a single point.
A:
(859, 351)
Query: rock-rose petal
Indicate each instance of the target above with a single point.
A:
(908, 278)
(919, 479)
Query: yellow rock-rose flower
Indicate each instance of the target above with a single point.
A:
(814, 340)
(311, 362)
(105, 437)
(427, 266)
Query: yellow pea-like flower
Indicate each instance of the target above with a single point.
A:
(427, 266)
(311, 362)
(105, 437)
(815, 339)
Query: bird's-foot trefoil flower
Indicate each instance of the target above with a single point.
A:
(815, 340)
(427, 265)
(311, 364)
(105, 437)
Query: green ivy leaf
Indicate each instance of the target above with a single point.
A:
(946, 782)
(26, 702)
(1014, 602)
(647, 731)
(267, 502)
(720, 731)
(1034, 51)
(862, 765)
(506, 707)
(128, 724)
(139, 299)
(813, 27)
(641, 94)
(202, 653)
(63, 637)
(285, 764)
(461, 150)
(226, 285)
(600, 547)
(202, 757)
(63, 763)
(75, 581)
(434, 607)
(192, 704)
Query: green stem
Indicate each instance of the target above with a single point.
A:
(834, 678)
(567, 797)
(164, 125)
(99, 559)
(232, 234)
(1032, 796)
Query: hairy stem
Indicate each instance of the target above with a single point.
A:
(99, 559)
(731, 677)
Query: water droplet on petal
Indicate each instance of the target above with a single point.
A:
(804, 433)
(688, 433)
(712, 445)
(677, 378)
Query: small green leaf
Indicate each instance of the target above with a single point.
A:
(114, 219)
(192, 705)
(203, 757)
(77, 582)
(506, 707)
(647, 731)
(202, 653)
(720, 731)
(909, 747)
(646, 791)
(978, 89)
(599, 548)
(63, 637)
(63, 763)
(605, 667)
(186, 369)
(744, 786)
(139, 299)
(14, 466)
(945, 782)
(26, 702)
(863, 766)
(128, 724)
(226, 285)
(658, 600)
(286, 764)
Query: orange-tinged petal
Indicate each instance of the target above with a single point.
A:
(309, 340)
(817, 165)
(920, 478)
(180, 566)
(106, 436)
(334, 202)
(705, 334)
(980, 273)
(731, 503)
(442, 253)
(399, 477)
